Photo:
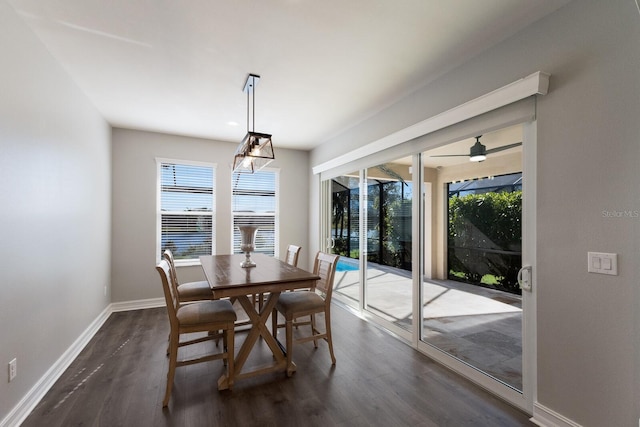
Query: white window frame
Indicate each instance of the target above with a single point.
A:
(275, 215)
(159, 213)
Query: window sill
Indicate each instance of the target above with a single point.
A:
(187, 262)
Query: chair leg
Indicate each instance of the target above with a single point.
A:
(225, 347)
(289, 328)
(327, 325)
(274, 323)
(313, 329)
(229, 344)
(173, 359)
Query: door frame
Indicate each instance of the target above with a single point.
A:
(524, 399)
(399, 143)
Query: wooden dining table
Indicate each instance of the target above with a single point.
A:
(270, 275)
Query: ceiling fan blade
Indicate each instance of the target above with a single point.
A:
(451, 155)
(504, 147)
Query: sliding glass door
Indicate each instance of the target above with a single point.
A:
(472, 306)
(434, 256)
(388, 235)
(371, 230)
(344, 239)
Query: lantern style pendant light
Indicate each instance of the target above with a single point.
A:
(256, 150)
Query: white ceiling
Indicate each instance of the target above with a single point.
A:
(179, 66)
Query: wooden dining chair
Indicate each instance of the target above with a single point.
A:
(291, 258)
(293, 252)
(200, 316)
(190, 291)
(293, 305)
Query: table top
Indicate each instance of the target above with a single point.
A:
(227, 278)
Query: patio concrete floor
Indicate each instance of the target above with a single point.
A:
(480, 326)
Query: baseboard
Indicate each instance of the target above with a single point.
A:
(37, 392)
(546, 417)
(22, 410)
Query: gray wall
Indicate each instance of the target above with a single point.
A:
(588, 155)
(55, 169)
(134, 204)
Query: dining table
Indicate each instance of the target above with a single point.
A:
(271, 276)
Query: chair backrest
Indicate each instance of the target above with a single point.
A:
(170, 292)
(168, 255)
(325, 267)
(292, 255)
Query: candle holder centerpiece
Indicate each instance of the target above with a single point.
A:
(247, 243)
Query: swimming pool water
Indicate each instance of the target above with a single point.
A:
(346, 265)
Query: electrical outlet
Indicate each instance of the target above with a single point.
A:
(13, 369)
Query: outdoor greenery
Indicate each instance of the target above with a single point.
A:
(389, 237)
(340, 224)
(485, 239)
(388, 223)
(191, 251)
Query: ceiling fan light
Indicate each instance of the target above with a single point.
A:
(478, 152)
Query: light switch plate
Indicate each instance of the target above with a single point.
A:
(602, 263)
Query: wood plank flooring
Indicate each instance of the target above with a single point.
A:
(119, 380)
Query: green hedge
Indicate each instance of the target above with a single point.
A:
(485, 239)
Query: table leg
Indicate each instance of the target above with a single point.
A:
(258, 329)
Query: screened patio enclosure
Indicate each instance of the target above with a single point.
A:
(388, 225)
(484, 225)
(370, 227)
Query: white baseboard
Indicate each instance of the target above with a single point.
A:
(22, 410)
(37, 392)
(546, 417)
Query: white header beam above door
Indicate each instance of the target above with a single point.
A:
(534, 84)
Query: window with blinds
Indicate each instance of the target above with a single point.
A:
(187, 213)
(254, 201)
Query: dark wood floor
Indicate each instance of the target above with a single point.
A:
(119, 380)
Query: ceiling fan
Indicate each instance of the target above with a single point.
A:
(478, 152)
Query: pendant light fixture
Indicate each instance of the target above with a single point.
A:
(256, 150)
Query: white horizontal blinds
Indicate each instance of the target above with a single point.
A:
(187, 209)
(254, 202)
